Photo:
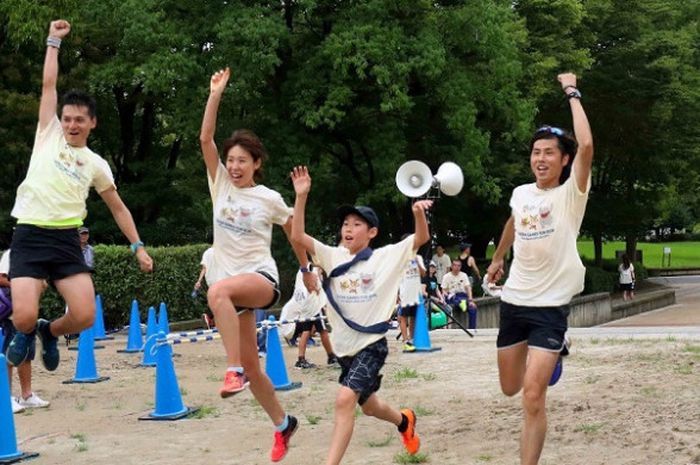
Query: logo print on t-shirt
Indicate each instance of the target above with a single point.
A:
(236, 218)
(68, 163)
(536, 221)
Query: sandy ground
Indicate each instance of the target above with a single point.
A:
(621, 400)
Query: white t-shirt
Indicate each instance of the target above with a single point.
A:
(206, 262)
(547, 270)
(442, 265)
(5, 263)
(302, 304)
(625, 274)
(58, 180)
(366, 293)
(243, 220)
(410, 287)
(452, 284)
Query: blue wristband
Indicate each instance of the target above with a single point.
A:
(306, 269)
(135, 246)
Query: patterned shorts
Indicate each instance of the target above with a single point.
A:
(360, 372)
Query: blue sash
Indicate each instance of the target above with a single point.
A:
(377, 328)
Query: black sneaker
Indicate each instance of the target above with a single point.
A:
(332, 359)
(304, 364)
(49, 345)
(18, 349)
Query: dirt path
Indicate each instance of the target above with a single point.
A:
(620, 401)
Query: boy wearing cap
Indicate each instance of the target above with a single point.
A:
(361, 287)
(50, 207)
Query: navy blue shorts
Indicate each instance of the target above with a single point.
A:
(408, 310)
(540, 327)
(44, 253)
(360, 372)
(9, 331)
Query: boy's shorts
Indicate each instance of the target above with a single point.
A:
(408, 310)
(310, 325)
(540, 327)
(44, 253)
(9, 331)
(360, 372)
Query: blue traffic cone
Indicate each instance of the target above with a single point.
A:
(421, 338)
(274, 362)
(163, 319)
(8, 439)
(86, 367)
(99, 326)
(134, 342)
(149, 356)
(168, 404)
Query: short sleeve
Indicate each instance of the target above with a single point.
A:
(323, 256)
(214, 185)
(5, 263)
(102, 178)
(280, 212)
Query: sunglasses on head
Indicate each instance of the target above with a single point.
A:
(551, 130)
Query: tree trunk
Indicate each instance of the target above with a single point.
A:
(598, 248)
(631, 246)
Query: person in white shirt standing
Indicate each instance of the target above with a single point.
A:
(442, 262)
(410, 290)
(546, 271)
(627, 278)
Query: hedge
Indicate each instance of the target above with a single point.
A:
(119, 281)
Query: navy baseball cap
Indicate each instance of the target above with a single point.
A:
(366, 213)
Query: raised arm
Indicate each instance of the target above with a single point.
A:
(122, 216)
(582, 130)
(49, 97)
(206, 136)
(422, 233)
(302, 186)
(495, 269)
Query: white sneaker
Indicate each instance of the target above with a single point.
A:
(16, 407)
(33, 401)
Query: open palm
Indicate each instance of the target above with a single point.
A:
(219, 80)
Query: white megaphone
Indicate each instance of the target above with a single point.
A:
(414, 178)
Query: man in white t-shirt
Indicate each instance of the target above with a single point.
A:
(50, 207)
(442, 262)
(546, 271)
(457, 289)
(361, 288)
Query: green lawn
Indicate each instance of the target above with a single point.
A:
(683, 254)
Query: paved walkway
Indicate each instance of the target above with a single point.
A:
(686, 311)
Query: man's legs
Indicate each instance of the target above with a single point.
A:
(78, 292)
(537, 375)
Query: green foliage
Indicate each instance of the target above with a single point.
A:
(119, 281)
(599, 280)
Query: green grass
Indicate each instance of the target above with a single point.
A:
(313, 419)
(81, 445)
(404, 457)
(405, 373)
(204, 412)
(683, 254)
(588, 428)
(383, 443)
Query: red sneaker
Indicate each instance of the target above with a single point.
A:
(281, 444)
(234, 383)
(410, 438)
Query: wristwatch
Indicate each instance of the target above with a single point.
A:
(306, 269)
(135, 246)
(574, 94)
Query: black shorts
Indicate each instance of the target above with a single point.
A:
(540, 327)
(408, 310)
(309, 325)
(9, 331)
(275, 289)
(44, 253)
(627, 287)
(360, 372)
